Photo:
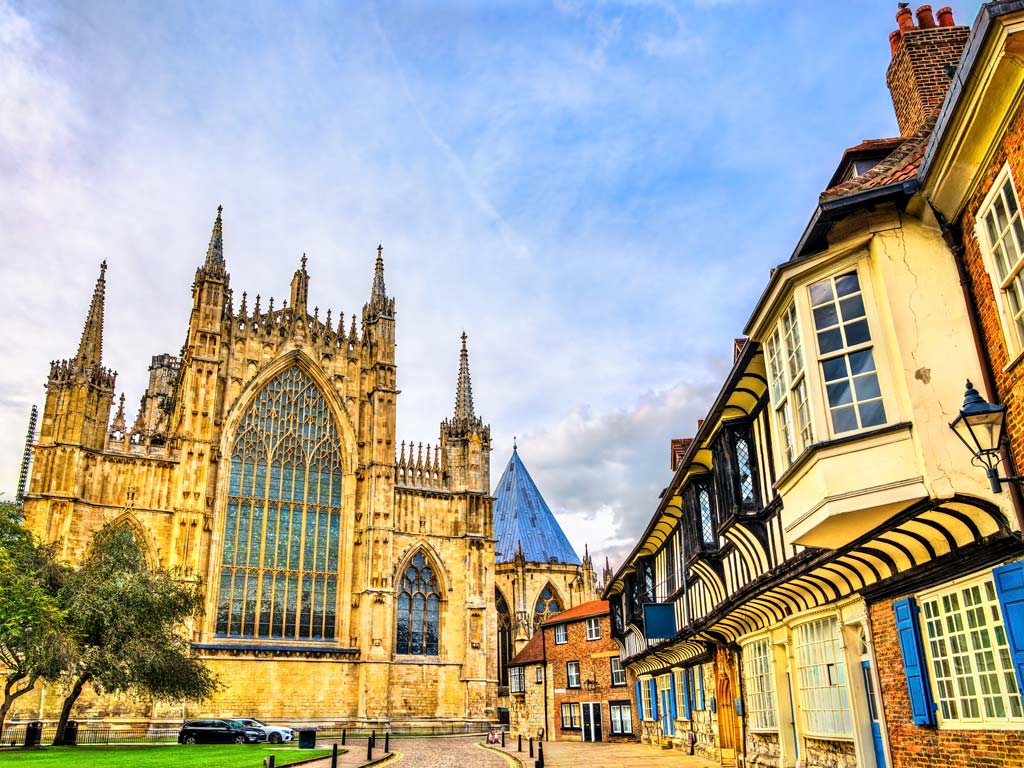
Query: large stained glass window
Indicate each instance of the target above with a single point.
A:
(547, 606)
(505, 647)
(279, 563)
(419, 609)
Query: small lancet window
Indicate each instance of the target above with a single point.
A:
(419, 610)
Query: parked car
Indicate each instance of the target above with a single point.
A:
(275, 734)
(218, 732)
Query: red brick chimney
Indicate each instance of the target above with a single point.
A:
(679, 446)
(917, 76)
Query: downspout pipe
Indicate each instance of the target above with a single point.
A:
(544, 649)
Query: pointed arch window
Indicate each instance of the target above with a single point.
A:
(547, 606)
(419, 610)
(504, 636)
(279, 561)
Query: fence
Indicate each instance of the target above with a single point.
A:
(96, 733)
(363, 731)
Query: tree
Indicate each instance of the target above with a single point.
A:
(32, 644)
(127, 626)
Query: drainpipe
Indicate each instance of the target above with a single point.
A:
(954, 238)
(544, 648)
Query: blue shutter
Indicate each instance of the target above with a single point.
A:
(687, 691)
(672, 695)
(654, 700)
(700, 680)
(1009, 580)
(639, 702)
(909, 632)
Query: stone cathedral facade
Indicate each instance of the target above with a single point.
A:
(348, 578)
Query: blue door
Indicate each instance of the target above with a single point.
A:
(876, 724)
(668, 726)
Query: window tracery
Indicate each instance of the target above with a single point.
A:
(547, 606)
(419, 610)
(282, 529)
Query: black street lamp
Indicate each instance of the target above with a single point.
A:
(979, 425)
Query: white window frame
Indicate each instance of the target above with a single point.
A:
(1013, 327)
(517, 679)
(759, 685)
(787, 373)
(621, 714)
(594, 628)
(572, 674)
(570, 711)
(857, 382)
(645, 697)
(618, 671)
(821, 679)
(561, 634)
(540, 675)
(956, 621)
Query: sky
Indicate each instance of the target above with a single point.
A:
(594, 192)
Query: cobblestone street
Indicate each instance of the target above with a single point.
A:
(469, 752)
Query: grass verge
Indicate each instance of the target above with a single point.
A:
(158, 756)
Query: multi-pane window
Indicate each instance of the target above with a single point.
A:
(279, 561)
(572, 674)
(846, 355)
(784, 351)
(971, 667)
(645, 698)
(547, 606)
(539, 677)
(746, 475)
(594, 628)
(1004, 241)
(759, 685)
(618, 671)
(821, 679)
(419, 606)
(681, 690)
(707, 516)
(505, 646)
(561, 634)
(570, 716)
(622, 717)
(516, 679)
(670, 565)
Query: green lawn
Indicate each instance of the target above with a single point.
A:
(175, 756)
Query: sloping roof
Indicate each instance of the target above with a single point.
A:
(901, 165)
(580, 612)
(878, 148)
(532, 652)
(522, 519)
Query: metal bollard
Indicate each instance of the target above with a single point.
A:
(540, 754)
(373, 738)
(369, 749)
(531, 746)
(503, 739)
(343, 734)
(387, 741)
(334, 757)
(270, 762)
(520, 747)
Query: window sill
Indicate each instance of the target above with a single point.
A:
(980, 725)
(1014, 361)
(850, 437)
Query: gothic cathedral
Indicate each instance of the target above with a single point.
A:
(347, 579)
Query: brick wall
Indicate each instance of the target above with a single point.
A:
(916, 76)
(915, 746)
(1009, 380)
(594, 657)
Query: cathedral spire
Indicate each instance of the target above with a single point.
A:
(300, 291)
(464, 390)
(378, 293)
(215, 251)
(90, 348)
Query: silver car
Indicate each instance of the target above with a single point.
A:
(276, 734)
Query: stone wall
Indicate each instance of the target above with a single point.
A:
(763, 749)
(822, 753)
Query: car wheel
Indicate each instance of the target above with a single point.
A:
(274, 738)
(190, 739)
(239, 739)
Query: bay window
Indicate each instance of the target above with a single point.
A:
(1001, 236)
(821, 679)
(788, 382)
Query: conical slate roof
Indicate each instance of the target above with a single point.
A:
(522, 519)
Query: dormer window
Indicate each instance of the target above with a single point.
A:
(736, 470)
(701, 516)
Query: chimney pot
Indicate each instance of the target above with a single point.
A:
(894, 40)
(946, 17)
(925, 19)
(905, 18)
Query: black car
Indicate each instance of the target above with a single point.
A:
(218, 732)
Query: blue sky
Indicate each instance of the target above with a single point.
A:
(593, 191)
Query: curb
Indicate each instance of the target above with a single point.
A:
(507, 755)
